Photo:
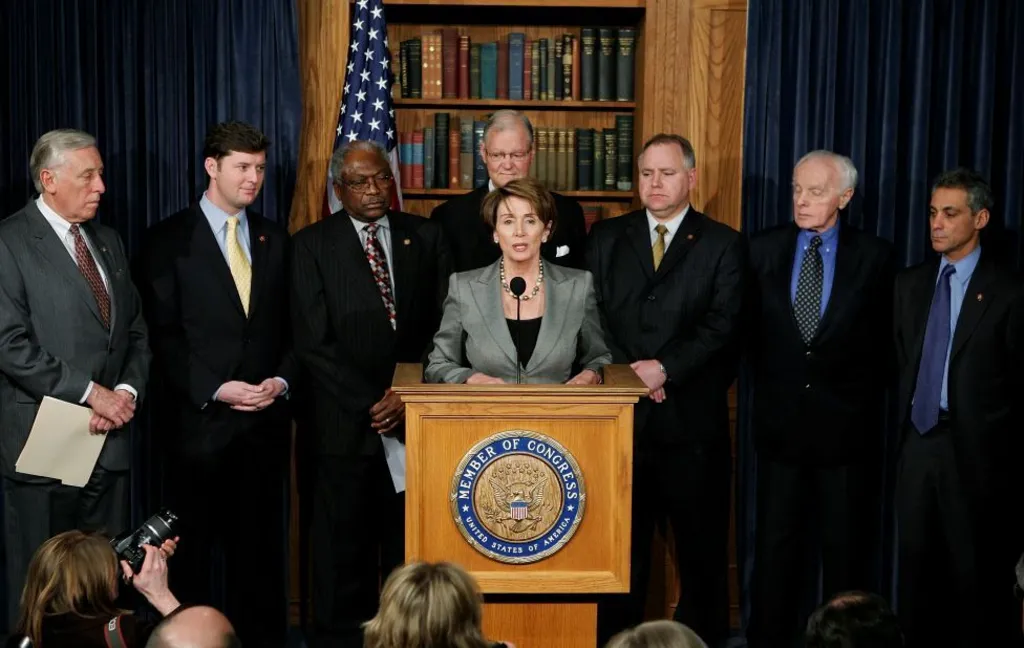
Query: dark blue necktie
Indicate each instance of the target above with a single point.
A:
(925, 412)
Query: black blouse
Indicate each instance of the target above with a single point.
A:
(524, 336)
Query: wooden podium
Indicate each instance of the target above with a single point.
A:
(483, 461)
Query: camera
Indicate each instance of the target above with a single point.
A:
(154, 531)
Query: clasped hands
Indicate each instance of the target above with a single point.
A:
(245, 397)
(110, 409)
(649, 371)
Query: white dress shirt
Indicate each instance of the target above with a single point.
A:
(672, 225)
(62, 229)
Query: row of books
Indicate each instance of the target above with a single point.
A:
(597, 65)
(447, 155)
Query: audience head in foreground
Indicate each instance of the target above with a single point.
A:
(424, 604)
(854, 620)
(195, 627)
(657, 634)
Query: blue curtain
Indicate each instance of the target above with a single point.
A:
(906, 88)
(147, 77)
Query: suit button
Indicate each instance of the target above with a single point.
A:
(807, 386)
(651, 297)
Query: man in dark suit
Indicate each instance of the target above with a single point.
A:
(959, 326)
(368, 284)
(507, 150)
(214, 282)
(819, 312)
(71, 329)
(669, 282)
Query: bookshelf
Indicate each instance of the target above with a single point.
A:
(484, 21)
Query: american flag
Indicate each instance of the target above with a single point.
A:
(366, 109)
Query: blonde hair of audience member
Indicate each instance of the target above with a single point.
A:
(657, 634)
(422, 604)
(72, 572)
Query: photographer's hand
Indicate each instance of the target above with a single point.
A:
(151, 581)
(168, 548)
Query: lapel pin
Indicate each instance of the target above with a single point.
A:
(980, 296)
(406, 242)
(263, 239)
(103, 249)
(689, 237)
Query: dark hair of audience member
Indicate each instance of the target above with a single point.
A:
(854, 620)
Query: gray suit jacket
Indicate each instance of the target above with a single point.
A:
(52, 340)
(474, 335)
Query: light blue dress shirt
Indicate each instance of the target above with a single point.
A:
(958, 283)
(218, 219)
(829, 240)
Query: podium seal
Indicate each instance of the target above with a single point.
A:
(518, 496)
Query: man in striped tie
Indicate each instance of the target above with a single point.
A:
(214, 282)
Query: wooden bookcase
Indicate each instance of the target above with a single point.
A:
(688, 79)
(484, 21)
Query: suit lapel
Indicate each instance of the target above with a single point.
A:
(259, 247)
(350, 253)
(640, 240)
(105, 259)
(404, 254)
(921, 291)
(842, 293)
(784, 280)
(488, 303)
(52, 249)
(206, 248)
(975, 303)
(558, 295)
(682, 242)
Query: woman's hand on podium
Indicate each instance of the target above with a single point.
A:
(483, 379)
(585, 377)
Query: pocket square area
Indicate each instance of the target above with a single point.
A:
(562, 251)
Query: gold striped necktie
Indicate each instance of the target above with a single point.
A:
(241, 270)
(659, 246)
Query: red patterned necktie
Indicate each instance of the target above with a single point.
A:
(379, 268)
(87, 265)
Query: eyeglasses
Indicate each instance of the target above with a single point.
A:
(501, 156)
(381, 180)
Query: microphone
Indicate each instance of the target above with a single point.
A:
(518, 286)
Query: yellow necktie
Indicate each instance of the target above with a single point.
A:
(659, 245)
(241, 271)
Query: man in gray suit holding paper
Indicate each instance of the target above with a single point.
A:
(71, 329)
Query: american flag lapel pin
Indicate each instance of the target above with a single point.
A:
(406, 242)
(263, 238)
(980, 296)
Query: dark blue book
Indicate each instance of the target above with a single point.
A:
(489, 71)
(516, 60)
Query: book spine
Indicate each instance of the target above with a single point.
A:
(567, 67)
(551, 182)
(606, 64)
(474, 71)
(516, 65)
(542, 72)
(561, 172)
(450, 58)
(570, 159)
(428, 158)
(453, 156)
(556, 70)
(624, 137)
(466, 154)
(416, 68)
(479, 168)
(405, 159)
(428, 66)
(489, 71)
(503, 69)
(597, 178)
(438, 65)
(576, 69)
(441, 136)
(417, 159)
(624, 58)
(541, 159)
(463, 67)
(403, 69)
(584, 159)
(535, 70)
(588, 79)
(611, 157)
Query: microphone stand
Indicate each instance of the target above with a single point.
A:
(519, 340)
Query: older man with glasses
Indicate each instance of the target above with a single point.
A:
(507, 150)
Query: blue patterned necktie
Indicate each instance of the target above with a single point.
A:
(807, 305)
(924, 413)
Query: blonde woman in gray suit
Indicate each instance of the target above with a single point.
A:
(558, 327)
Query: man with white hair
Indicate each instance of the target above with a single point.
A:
(507, 151)
(194, 627)
(818, 329)
(70, 329)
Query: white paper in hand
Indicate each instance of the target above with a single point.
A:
(394, 453)
(60, 445)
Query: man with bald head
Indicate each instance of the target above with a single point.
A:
(507, 150)
(194, 627)
(818, 319)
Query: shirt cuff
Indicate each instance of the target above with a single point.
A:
(283, 382)
(128, 388)
(85, 396)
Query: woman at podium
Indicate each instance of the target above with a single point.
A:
(519, 319)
